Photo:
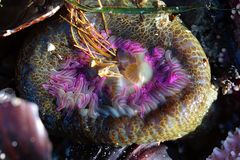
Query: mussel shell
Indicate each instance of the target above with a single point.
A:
(15, 13)
(152, 151)
(22, 134)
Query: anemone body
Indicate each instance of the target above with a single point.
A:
(182, 98)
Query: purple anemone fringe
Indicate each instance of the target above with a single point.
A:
(72, 89)
(169, 78)
(230, 149)
(75, 89)
(128, 46)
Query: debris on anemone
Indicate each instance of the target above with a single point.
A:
(131, 80)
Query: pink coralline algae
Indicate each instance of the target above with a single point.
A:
(230, 149)
(76, 84)
(72, 89)
(235, 16)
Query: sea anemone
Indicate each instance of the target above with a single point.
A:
(142, 81)
(147, 78)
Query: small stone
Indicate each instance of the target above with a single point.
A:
(14, 143)
(220, 59)
(224, 49)
(238, 6)
(221, 54)
(2, 156)
(236, 88)
(233, 11)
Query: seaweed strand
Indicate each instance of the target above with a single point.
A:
(144, 10)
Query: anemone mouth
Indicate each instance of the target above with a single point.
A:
(148, 77)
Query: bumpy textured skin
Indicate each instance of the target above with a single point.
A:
(181, 113)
